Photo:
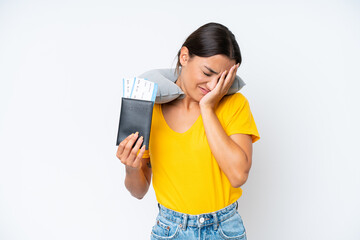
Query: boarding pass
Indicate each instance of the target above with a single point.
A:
(139, 88)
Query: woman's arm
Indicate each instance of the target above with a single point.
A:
(137, 181)
(138, 169)
(232, 153)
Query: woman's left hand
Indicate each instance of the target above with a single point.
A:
(214, 96)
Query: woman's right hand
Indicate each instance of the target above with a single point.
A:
(127, 154)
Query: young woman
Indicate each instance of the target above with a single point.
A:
(200, 151)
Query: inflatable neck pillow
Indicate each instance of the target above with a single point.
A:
(169, 91)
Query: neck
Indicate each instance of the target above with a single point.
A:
(187, 102)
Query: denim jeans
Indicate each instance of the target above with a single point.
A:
(225, 223)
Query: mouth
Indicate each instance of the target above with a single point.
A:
(204, 90)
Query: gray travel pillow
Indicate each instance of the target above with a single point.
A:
(168, 90)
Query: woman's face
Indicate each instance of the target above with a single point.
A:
(199, 75)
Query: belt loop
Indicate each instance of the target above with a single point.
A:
(184, 222)
(215, 221)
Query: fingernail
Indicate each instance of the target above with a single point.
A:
(137, 133)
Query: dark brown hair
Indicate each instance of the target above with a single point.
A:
(209, 40)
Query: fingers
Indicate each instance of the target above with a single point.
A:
(226, 79)
(232, 72)
(137, 161)
(128, 154)
(231, 76)
(236, 68)
(122, 145)
(135, 149)
(132, 158)
(222, 79)
(130, 144)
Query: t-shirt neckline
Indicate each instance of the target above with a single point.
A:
(173, 131)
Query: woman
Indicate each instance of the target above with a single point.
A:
(201, 146)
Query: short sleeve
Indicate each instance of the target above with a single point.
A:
(240, 119)
(145, 154)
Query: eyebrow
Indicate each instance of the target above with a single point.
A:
(211, 70)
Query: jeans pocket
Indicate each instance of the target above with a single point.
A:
(164, 229)
(232, 228)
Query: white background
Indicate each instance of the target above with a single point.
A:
(61, 65)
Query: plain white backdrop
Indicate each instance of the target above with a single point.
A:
(61, 65)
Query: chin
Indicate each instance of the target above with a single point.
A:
(197, 98)
(200, 97)
(196, 95)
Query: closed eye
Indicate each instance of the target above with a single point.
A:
(207, 74)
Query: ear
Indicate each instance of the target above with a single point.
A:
(184, 56)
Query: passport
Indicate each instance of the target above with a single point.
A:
(136, 110)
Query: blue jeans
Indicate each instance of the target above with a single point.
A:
(225, 223)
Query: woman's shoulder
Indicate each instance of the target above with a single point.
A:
(232, 101)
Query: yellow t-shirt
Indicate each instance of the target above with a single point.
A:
(186, 177)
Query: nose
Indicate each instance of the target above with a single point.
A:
(212, 83)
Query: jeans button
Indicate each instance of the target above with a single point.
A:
(201, 220)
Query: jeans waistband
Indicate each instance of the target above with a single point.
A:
(200, 220)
